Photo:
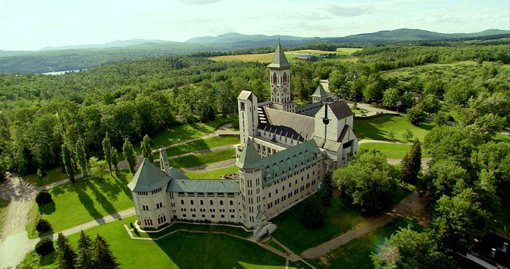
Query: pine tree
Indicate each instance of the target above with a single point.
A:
(107, 150)
(407, 170)
(114, 159)
(326, 190)
(68, 162)
(146, 148)
(65, 255)
(104, 258)
(411, 164)
(129, 155)
(81, 156)
(85, 249)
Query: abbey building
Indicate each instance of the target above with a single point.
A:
(282, 158)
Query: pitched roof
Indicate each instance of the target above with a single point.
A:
(289, 124)
(279, 59)
(176, 174)
(245, 95)
(249, 158)
(320, 92)
(148, 177)
(204, 185)
(340, 109)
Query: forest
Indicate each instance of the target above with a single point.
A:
(39, 113)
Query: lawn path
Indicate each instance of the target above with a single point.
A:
(413, 205)
(373, 110)
(211, 166)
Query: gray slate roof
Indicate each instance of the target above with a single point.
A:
(148, 177)
(320, 92)
(176, 174)
(289, 124)
(279, 59)
(204, 185)
(249, 158)
(340, 109)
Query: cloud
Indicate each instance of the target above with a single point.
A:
(199, 2)
(340, 11)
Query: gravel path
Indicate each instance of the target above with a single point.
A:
(412, 205)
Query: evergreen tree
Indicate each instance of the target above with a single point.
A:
(129, 155)
(104, 258)
(66, 256)
(326, 191)
(114, 159)
(67, 161)
(407, 170)
(107, 150)
(81, 155)
(146, 148)
(85, 250)
(411, 164)
(416, 157)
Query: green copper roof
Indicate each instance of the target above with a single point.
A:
(320, 92)
(204, 185)
(176, 174)
(279, 59)
(148, 178)
(249, 158)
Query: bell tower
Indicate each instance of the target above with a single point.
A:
(279, 77)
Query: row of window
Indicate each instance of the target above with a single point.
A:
(211, 202)
(290, 194)
(212, 216)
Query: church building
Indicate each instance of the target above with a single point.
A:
(283, 156)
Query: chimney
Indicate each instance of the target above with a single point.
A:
(505, 247)
(493, 253)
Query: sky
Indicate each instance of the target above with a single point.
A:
(35, 24)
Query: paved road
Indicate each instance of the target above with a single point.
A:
(412, 205)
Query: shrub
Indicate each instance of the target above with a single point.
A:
(43, 226)
(43, 198)
(44, 247)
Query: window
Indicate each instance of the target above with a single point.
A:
(284, 77)
(191, 202)
(231, 202)
(221, 202)
(274, 78)
(211, 202)
(182, 202)
(201, 202)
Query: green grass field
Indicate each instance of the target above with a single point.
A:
(51, 176)
(356, 253)
(180, 250)
(291, 55)
(393, 151)
(203, 144)
(83, 201)
(378, 128)
(212, 174)
(203, 158)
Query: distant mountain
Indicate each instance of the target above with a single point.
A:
(114, 44)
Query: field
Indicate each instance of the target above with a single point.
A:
(203, 144)
(212, 174)
(203, 158)
(356, 253)
(392, 151)
(51, 176)
(83, 201)
(344, 53)
(180, 250)
(378, 128)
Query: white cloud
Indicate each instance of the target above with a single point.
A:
(341, 11)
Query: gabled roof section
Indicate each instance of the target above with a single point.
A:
(289, 124)
(249, 158)
(320, 92)
(245, 95)
(204, 185)
(279, 59)
(340, 109)
(176, 174)
(148, 178)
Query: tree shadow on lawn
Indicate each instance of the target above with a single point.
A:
(110, 187)
(365, 129)
(88, 203)
(47, 209)
(102, 200)
(216, 251)
(189, 147)
(187, 161)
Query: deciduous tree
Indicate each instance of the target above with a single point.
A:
(67, 162)
(81, 155)
(146, 148)
(129, 155)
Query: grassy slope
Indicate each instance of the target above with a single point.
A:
(378, 128)
(203, 144)
(181, 250)
(203, 158)
(212, 174)
(394, 151)
(291, 55)
(356, 253)
(83, 201)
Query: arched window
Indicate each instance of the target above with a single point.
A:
(284, 77)
(211, 202)
(274, 78)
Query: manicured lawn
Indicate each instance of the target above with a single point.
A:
(203, 158)
(378, 128)
(212, 174)
(392, 151)
(83, 201)
(187, 131)
(53, 175)
(203, 144)
(339, 218)
(356, 253)
(182, 250)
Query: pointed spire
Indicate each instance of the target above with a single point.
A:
(249, 158)
(279, 59)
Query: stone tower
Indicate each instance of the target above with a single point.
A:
(279, 77)
(247, 106)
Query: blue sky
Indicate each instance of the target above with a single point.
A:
(34, 24)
